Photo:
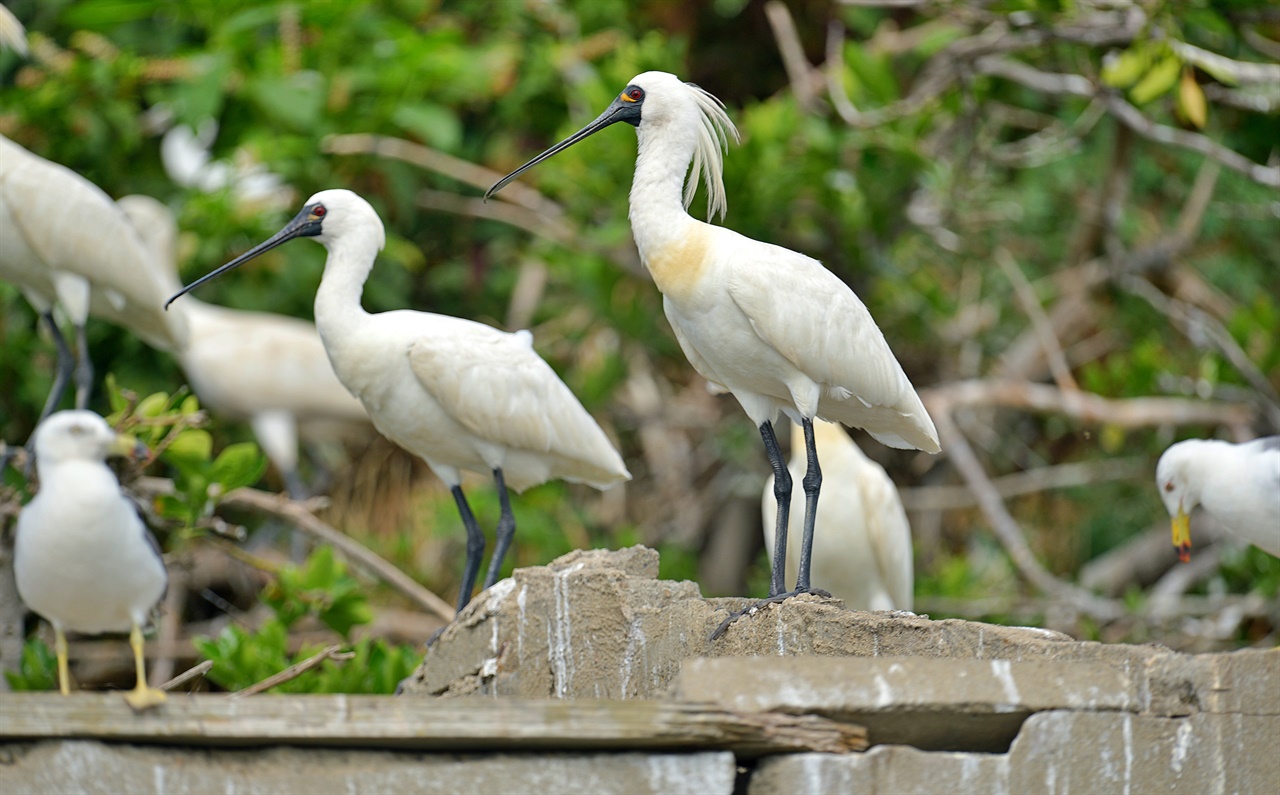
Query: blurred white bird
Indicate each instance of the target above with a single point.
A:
(269, 369)
(1237, 484)
(862, 540)
(64, 242)
(456, 393)
(772, 326)
(12, 34)
(83, 558)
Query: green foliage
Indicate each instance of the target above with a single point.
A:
(37, 670)
(320, 588)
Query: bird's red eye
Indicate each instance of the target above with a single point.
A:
(1168, 486)
(635, 94)
(319, 211)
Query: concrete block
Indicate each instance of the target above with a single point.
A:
(1202, 754)
(883, 770)
(91, 767)
(962, 705)
(597, 624)
(1245, 682)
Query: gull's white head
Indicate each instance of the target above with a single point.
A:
(74, 436)
(1180, 489)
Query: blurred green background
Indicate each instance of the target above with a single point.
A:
(909, 212)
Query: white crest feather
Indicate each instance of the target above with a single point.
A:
(714, 130)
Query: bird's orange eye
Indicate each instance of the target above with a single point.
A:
(319, 211)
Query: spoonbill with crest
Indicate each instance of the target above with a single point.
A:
(456, 393)
(772, 326)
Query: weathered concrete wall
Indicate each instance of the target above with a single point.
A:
(84, 766)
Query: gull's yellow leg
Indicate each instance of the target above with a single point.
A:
(142, 697)
(60, 646)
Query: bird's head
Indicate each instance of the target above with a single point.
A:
(79, 436)
(1179, 492)
(331, 217)
(660, 104)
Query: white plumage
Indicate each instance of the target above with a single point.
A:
(64, 242)
(82, 558)
(269, 369)
(862, 540)
(772, 326)
(456, 393)
(1237, 484)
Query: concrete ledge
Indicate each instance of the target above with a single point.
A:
(964, 705)
(92, 767)
(884, 770)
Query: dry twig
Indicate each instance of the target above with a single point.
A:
(186, 676)
(281, 506)
(1039, 321)
(294, 671)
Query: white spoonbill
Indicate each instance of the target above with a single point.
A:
(458, 394)
(83, 558)
(64, 242)
(862, 540)
(774, 327)
(269, 369)
(1237, 484)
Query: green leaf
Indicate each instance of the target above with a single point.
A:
(436, 125)
(1191, 99)
(238, 465)
(1158, 81)
(1125, 69)
(191, 448)
(152, 405)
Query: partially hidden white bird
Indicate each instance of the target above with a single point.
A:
(269, 369)
(83, 559)
(65, 243)
(772, 326)
(456, 393)
(1237, 484)
(862, 539)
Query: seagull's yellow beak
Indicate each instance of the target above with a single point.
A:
(1182, 535)
(126, 445)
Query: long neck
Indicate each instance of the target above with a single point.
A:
(338, 298)
(657, 209)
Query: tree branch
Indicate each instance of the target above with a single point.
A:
(1039, 321)
(294, 671)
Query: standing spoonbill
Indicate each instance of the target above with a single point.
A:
(456, 393)
(269, 369)
(772, 326)
(83, 559)
(1237, 484)
(64, 242)
(862, 539)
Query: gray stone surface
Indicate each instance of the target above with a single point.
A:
(597, 624)
(89, 767)
(1245, 682)
(1202, 754)
(884, 770)
(969, 705)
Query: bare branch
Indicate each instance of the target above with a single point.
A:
(294, 671)
(799, 72)
(1039, 321)
(1132, 118)
(1220, 66)
(282, 507)
(1086, 406)
(186, 676)
(1046, 82)
(1031, 481)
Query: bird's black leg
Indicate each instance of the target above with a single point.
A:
(506, 530)
(812, 485)
(475, 548)
(84, 369)
(782, 492)
(66, 362)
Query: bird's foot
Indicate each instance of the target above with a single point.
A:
(143, 698)
(751, 610)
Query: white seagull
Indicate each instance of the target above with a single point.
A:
(269, 369)
(772, 326)
(458, 394)
(64, 242)
(1237, 484)
(83, 558)
(862, 540)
